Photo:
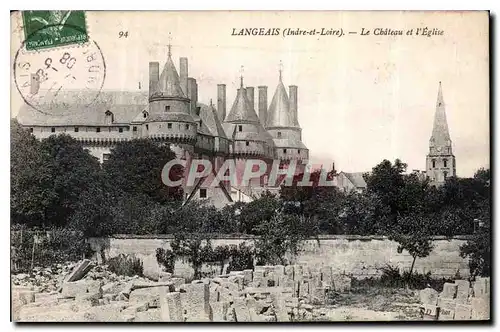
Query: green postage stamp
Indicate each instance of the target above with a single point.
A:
(52, 28)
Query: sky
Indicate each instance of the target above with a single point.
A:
(361, 98)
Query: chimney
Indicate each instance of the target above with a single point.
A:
(263, 104)
(192, 94)
(154, 76)
(221, 101)
(250, 96)
(293, 103)
(184, 75)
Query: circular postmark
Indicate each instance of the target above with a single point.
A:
(51, 79)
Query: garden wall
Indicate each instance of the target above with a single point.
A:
(359, 256)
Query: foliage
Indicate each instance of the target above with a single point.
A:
(166, 258)
(258, 212)
(241, 258)
(125, 265)
(282, 236)
(45, 247)
(135, 167)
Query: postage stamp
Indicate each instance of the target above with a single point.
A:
(52, 28)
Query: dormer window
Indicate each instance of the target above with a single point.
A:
(240, 128)
(120, 130)
(169, 126)
(53, 130)
(98, 130)
(247, 143)
(110, 118)
(167, 108)
(145, 114)
(187, 126)
(134, 128)
(76, 129)
(279, 134)
(284, 150)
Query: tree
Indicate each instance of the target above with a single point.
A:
(135, 167)
(412, 234)
(257, 212)
(73, 170)
(30, 178)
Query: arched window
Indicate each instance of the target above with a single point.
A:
(145, 114)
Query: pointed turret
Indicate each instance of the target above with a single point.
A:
(440, 133)
(169, 83)
(440, 160)
(279, 113)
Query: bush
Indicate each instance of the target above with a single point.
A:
(125, 265)
(166, 258)
(242, 258)
(32, 247)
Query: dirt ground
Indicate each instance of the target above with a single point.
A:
(374, 304)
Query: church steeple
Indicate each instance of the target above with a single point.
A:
(440, 160)
(440, 134)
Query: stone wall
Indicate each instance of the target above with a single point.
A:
(359, 256)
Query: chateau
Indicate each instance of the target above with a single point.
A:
(170, 113)
(440, 162)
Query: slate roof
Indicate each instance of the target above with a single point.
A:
(279, 114)
(356, 179)
(169, 82)
(241, 109)
(210, 119)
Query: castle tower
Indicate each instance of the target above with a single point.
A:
(249, 138)
(440, 160)
(283, 125)
(169, 116)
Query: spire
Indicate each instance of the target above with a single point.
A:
(169, 45)
(440, 133)
(241, 76)
(279, 113)
(169, 82)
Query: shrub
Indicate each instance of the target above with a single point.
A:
(166, 258)
(242, 258)
(32, 247)
(125, 265)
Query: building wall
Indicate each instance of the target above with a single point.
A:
(361, 256)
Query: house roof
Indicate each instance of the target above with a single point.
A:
(356, 179)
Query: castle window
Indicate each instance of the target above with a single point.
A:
(98, 130)
(247, 143)
(279, 134)
(169, 125)
(105, 156)
(76, 129)
(433, 163)
(203, 193)
(110, 118)
(53, 130)
(240, 128)
(187, 126)
(284, 150)
(445, 162)
(120, 130)
(134, 128)
(445, 175)
(298, 151)
(147, 127)
(31, 130)
(167, 108)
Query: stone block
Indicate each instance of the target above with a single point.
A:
(280, 308)
(177, 282)
(449, 291)
(151, 315)
(463, 312)
(289, 271)
(446, 303)
(165, 276)
(219, 311)
(480, 287)
(297, 272)
(171, 307)
(79, 271)
(327, 275)
(241, 311)
(429, 296)
(196, 303)
(480, 308)
(247, 277)
(429, 312)
(318, 295)
(72, 289)
(106, 313)
(304, 289)
(342, 283)
(26, 297)
(151, 295)
(446, 313)
(315, 280)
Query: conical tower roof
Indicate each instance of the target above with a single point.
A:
(241, 109)
(440, 132)
(279, 113)
(169, 82)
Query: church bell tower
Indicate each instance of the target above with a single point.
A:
(440, 163)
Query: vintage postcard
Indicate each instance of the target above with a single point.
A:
(260, 166)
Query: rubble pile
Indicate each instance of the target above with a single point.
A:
(460, 300)
(265, 294)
